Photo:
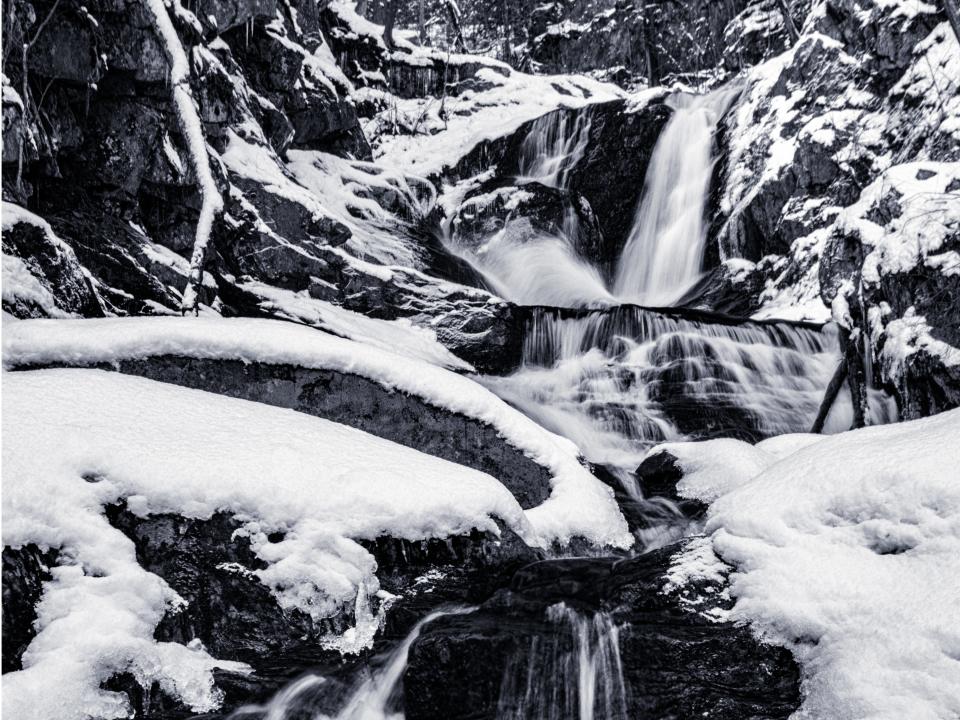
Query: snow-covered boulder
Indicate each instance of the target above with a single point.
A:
(843, 549)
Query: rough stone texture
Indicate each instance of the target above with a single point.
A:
(238, 618)
(55, 267)
(524, 213)
(677, 664)
(658, 476)
(610, 174)
(361, 403)
(673, 38)
(228, 608)
(24, 572)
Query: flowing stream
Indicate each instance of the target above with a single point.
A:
(616, 378)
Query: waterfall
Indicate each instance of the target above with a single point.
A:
(617, 382)
(553, 146)
(374, 698)
(664, 252)
(573, 673)
(663, 255)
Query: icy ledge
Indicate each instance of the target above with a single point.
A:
(76, 440)
(846, 550)
(579, 505)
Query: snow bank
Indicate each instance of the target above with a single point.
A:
(447, 131)
(847, 551)
(579, 504)
(75, 440)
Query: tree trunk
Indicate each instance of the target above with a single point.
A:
(388, 24)
(507, 30)
(953, 15)
(453, 13)
(422, 22)
(788, 20)
(857, 377)
(830, 396)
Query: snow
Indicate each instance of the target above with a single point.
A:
(499, 107)
(579, 505)
(18, 280)
(192, 129)
(905, 336)
(399, 336)
(847, 552)
(928, 216)
(22, 286)
(75, 440)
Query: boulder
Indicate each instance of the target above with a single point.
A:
(25, 569)
(526, 212)
(361, 403)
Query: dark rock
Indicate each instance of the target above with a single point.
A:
(658, 476)
(676, 663)
(610, 174)
(56, 267)
(24, 572)
(524, 213)
(212, 568)
(650, 39)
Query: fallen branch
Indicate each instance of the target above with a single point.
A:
(192, 129)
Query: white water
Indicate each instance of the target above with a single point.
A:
(664, 252)
(573, 674)
(663, 255)
(372, 699)
(613, 382)
(553, 147)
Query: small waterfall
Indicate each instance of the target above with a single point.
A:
(619, 381)
(572, 674)
(664, 252)
(376, 697)
(553, 146)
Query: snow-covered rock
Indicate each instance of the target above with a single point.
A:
(845, 550)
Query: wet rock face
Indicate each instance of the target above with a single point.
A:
(609, 175)
(911, 306)
(57, 270)
(361, 403)
(212, 565)
(524, 213)
(675, 662)
(24, 572)
(212, 569)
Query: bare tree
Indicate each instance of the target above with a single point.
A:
(507, 29)
(453, 13)
(788, 20)
(25, 92)
(389, 20)
(422, 21)
(953, 15)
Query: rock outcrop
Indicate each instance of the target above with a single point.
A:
(671, 658)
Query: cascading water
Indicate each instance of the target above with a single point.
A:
(374, 698)
(664, 252)
(663, 255)
(618, 382)
(572, 674)
(553, 147)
